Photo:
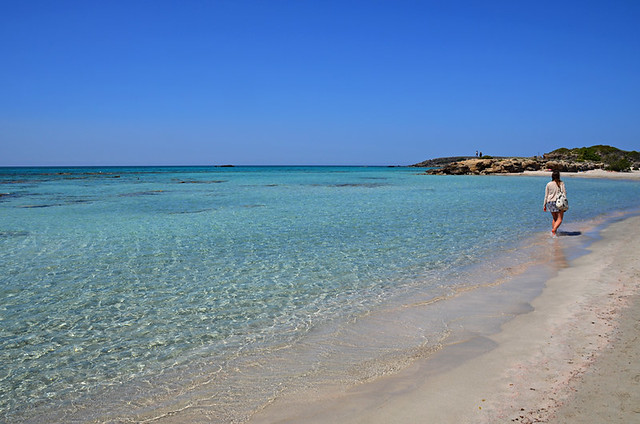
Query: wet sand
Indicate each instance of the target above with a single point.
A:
(572, 359)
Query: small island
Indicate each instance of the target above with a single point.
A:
(564, 160)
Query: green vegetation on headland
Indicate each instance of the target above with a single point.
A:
(613, 158)
(563, 159)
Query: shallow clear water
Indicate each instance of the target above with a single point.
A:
(122, 286)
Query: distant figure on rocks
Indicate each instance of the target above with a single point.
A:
(552, 191)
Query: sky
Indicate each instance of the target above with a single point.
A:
(297, 82)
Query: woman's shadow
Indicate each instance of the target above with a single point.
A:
(569, 233)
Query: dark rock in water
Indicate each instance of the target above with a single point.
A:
(367, 185)
(189, 212)
(225, 166)
(9, 234)
(142, 193)
(202, 182)
(38, 206)
(16, 182)
(78, 201)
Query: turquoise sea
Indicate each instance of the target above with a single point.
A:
(131, 293)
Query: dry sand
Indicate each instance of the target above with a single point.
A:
(596, 173)
(575, 358)
(609, 392)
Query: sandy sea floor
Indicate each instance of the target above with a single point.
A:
(573, 359)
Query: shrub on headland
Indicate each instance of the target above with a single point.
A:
(588, 154)
(619, 165)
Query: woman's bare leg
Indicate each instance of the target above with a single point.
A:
(557, 220)
(554, 217)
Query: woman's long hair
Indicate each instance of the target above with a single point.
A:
(555, 176)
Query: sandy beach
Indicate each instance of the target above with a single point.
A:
(596, 173)
(572, 359)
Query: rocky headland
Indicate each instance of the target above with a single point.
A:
(563, 160)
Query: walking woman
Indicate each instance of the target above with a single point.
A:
(551, 193)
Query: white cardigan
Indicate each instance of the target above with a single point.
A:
(552, 191)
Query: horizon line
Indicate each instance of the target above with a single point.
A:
(196, 166)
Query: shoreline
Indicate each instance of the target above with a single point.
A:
(530, 371)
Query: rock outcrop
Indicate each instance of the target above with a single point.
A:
(510, 166)
(440, 162)
(563, 160)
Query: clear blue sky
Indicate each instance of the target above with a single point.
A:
(313, 82)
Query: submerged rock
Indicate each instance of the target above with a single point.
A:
(8, 234)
